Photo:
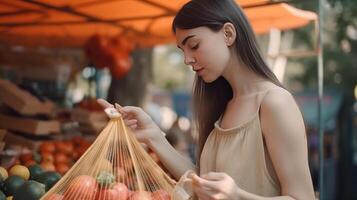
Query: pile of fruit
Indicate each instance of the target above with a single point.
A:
(26, 183)
(56, 155)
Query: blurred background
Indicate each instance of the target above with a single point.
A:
(57, 57)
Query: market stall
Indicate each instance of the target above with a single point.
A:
(40, 140)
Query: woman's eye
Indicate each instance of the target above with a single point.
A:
(195, 47)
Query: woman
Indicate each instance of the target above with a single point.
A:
(252, 142)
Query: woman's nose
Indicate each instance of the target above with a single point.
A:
(189, 60)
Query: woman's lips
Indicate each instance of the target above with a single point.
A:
(199, 71)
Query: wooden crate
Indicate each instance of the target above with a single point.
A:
(29, 126)
(19, 140)
(91, 122)
(2, 142)
(88, 117)
(22, 101)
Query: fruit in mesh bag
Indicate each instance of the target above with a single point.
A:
(118, 192)
(81, 188)
(105, 179)
(140, 195)
(114, 167)
(54, 197)
(160, 195)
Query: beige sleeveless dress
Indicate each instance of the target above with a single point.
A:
(241, 153)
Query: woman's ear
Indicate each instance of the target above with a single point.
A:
(230, 33)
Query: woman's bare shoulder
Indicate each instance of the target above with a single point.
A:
(277, 97)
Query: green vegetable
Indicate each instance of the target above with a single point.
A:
(105, 179)
(35, 172)
(30, 190)
(11, 184)
(49, 179)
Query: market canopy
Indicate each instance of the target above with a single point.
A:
(69, 23)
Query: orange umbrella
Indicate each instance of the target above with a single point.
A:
(69, 23)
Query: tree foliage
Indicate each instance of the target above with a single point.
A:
(340, 46)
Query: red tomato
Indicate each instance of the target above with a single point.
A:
(29, 163)
(67, 147)
(82, 187)
(62, 168)
(107, 194)
(80, 151)
(47, 147)
(140, 195)
(61, 147)
(60, 158)
(54, 197)
(160, 195)
(123, 192)
(48, 166)
(25, 157)
(47, 157)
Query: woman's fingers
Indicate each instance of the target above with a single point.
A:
(104, 103)
(133, 126)
(214, 176)
(130, 122)
(201, 182)
(203, 194)
(119, 108)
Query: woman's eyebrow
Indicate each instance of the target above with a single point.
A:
(185, 40)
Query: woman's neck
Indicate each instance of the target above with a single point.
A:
(242, 80)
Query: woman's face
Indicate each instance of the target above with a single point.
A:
(205, 50)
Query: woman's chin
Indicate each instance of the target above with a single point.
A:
(208, 79)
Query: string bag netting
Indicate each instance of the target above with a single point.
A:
(115, 167)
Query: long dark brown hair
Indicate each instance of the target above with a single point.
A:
(210, 99)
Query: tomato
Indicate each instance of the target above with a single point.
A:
(47, 147)
(107, 194)
(53, 197)
(82, 187)
(69, 147)
(48, 166)
(47, 157)
(60, 158)
(140, 195)
(160, 195)
(62, 168)
(80, 151)
(79, 141)
(25, 157)
(65, 147)
(123, 192)
(29, 163)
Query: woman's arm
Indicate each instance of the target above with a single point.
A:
(171, 158)
(284, 132)
(146, 131)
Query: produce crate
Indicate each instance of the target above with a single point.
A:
(91, 122)
(85, 116)
(19, 140)
(22, 101)
(29, 126)
(2, 142)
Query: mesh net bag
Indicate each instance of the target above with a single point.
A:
(115, 167)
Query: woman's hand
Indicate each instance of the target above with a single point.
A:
(215, 185)
(142, 125)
